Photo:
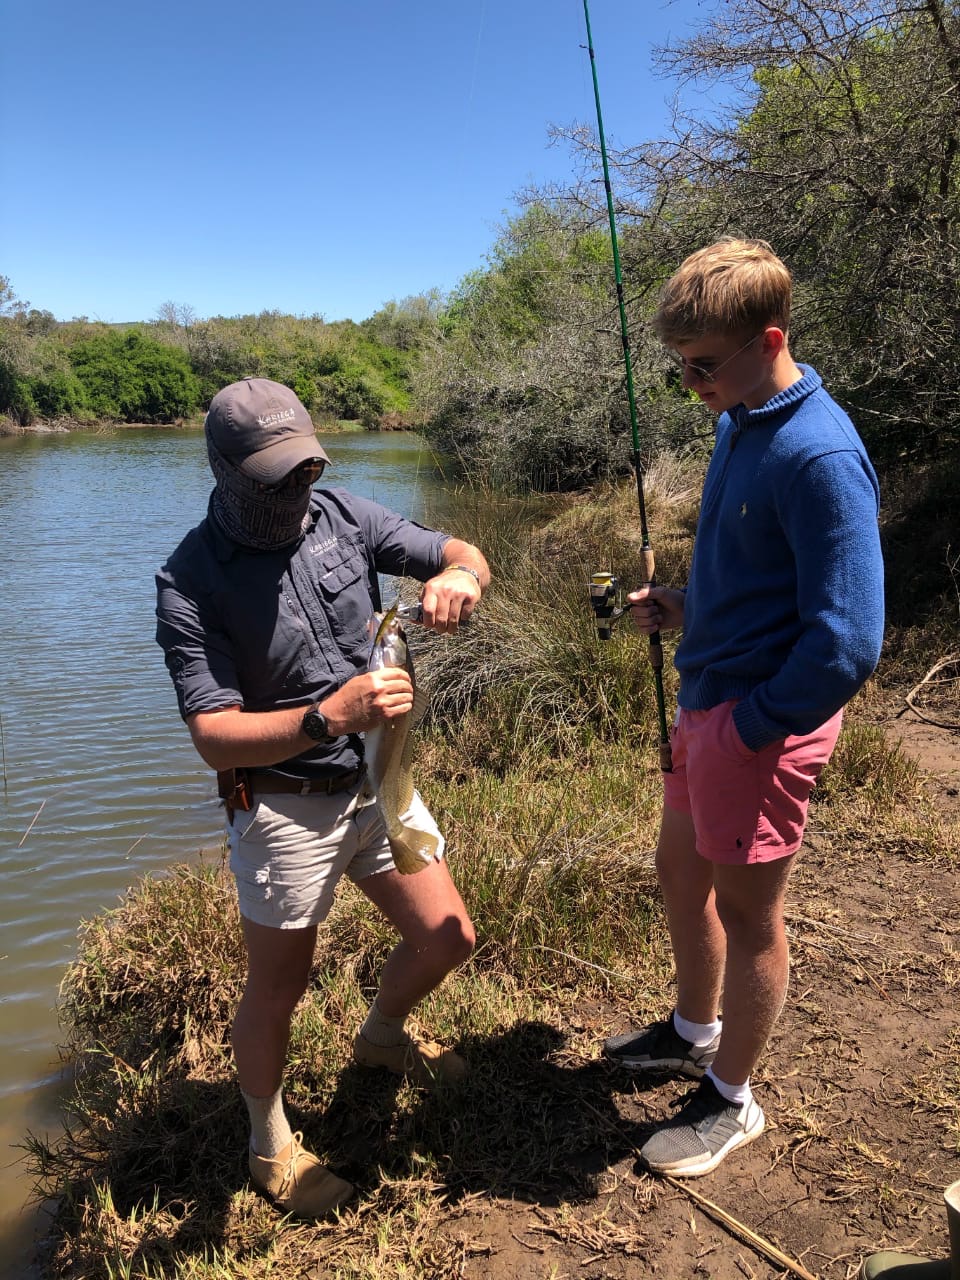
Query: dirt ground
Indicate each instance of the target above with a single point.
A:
(860, 1086)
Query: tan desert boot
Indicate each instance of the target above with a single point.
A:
(297, 1182)
(422, 1061)
(889, 1265)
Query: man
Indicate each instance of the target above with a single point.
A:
(262, 615)
(782, 622)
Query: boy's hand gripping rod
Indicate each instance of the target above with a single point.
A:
(604, 589)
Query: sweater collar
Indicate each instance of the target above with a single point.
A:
(809, 382)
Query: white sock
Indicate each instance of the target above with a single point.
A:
(379, 1029)
(269, 1128)
(737, 1095)
(698, 1033)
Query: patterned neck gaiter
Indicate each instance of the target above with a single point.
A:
(258, 518)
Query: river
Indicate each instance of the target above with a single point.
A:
(100, 783)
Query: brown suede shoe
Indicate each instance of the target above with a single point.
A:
(422, 1061)
(297, 1182)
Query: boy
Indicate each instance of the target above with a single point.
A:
(782, 623)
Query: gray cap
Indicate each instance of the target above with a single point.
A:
(262, 428)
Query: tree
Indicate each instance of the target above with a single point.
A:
(843, 151)
(10, 304)
(525, 383)
(176, 315)
(15, 356)
(129, 376)
(406, 324)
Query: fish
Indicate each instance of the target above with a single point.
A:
(389, 755)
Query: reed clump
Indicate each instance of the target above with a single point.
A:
(538, 760)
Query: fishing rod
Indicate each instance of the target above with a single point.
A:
(604, 588)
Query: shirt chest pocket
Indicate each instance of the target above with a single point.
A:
(339, 568)
(340, 574)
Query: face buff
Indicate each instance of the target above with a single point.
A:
(258, 518)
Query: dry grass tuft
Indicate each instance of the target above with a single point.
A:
(866, 769)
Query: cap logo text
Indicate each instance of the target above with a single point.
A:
(269, 419)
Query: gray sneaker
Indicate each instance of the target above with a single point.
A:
(702, 1133)
(659, 1048)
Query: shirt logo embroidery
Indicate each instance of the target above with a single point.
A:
(743, 510)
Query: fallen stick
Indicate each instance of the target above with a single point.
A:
(741, 1229)
(948, 661)
(30, 828)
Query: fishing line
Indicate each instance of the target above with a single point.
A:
(428, 511)
(32, 824)
(158, 830)
(473, 79)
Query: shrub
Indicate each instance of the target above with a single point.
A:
(130, 376)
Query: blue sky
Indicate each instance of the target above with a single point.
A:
(300, 155)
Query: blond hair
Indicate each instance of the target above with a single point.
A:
(733, 286)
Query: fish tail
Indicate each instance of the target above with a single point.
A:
(413, 850)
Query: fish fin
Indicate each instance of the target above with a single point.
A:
(413, 850)
(421, 704)
(405, 787)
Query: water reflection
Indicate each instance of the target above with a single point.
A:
(100, 781)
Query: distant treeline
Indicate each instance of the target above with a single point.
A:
(169, 368)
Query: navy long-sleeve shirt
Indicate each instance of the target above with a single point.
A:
(269, 629)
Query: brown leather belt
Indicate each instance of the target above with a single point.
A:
(263, 782)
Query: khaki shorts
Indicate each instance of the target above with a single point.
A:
(288, 853)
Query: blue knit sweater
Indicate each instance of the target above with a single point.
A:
(784, 607)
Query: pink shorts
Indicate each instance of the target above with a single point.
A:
(747, 806)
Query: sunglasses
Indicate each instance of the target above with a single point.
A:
(306, 474)
(697, 371)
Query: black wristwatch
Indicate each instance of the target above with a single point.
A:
(314, 725)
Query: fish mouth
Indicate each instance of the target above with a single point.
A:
(388, 617)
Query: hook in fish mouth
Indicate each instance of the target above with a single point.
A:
(385, 621)
(402, 613)
(409, 612)
(406, 613)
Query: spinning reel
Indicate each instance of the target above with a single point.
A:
(606, 601)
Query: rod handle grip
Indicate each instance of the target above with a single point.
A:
(648, 568)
